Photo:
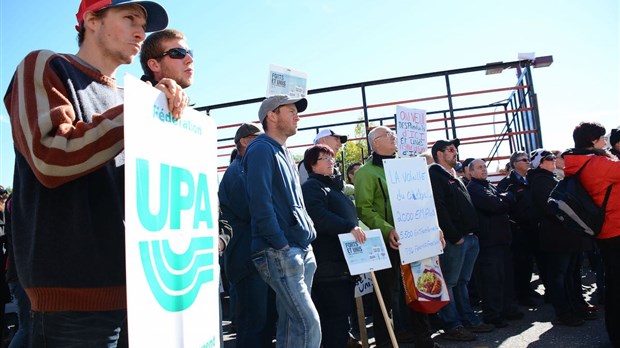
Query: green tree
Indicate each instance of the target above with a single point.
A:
(354, 150)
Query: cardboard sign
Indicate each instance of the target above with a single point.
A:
(413, 208)
(363, 258)
(286, 81)
(411, 131)
(171, 223)
(363, 286)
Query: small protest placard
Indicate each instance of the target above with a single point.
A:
(363, 285)
(413, 208)
(411, 131)
(286, 81)
(369, 256)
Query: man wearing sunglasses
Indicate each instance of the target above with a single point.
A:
(67, 115)
(523, 226)
(458, 220)
(165, 54)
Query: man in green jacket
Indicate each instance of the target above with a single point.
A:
(374, 210)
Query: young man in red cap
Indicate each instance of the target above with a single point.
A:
(66, 113)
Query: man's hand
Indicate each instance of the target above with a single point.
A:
(393, 238)
(177, 98)
(221, 247)
(442, 239)
(358, 234)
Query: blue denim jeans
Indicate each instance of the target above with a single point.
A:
(457, 265)
(20, 340)
(76, 329)
(289, 273)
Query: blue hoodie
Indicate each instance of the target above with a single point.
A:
(275, 199)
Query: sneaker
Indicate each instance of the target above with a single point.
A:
(480, 328)
(590, 308)
(516, 315)
(586, 315)
(528, 302)
(498, 323)
(353, 343)
(569, 320)
(459, 334)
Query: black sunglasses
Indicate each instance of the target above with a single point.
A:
(176, 53)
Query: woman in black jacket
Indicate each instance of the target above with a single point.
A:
(332, 213)
(560, 248)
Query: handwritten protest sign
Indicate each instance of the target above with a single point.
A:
(413, 208)
(366, 257)
(411, 131)
(363, 285)
(286, 81)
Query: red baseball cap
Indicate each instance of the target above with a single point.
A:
(156, 16)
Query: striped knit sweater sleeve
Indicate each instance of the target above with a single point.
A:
(51, 124)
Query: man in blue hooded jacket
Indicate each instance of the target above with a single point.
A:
(281, 228)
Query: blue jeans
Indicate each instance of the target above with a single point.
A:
(76, 329)
(457, 265)
(255, 311)
(289, 273)
(20, 340)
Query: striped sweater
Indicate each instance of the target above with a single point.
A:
(68, 203)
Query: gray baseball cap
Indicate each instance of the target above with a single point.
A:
(274, 101)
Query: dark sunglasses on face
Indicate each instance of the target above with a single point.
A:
(524, 160)
(176, 53)
(549, 158)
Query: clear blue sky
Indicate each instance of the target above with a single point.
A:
(346, 41)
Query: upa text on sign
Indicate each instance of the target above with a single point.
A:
(171, 236)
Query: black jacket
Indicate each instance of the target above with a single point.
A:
(332, 213)
(552, 236)
(492, 207)
(456, 214)
(522, 213)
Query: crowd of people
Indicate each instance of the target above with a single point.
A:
(63, 223)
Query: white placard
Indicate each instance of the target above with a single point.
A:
(411, 131)
(413, 208)
(363, 285)
(366, 257)
(286, 81)
(171, 223)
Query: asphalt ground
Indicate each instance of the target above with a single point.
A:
(535, 330)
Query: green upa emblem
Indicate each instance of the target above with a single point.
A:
(174, 278)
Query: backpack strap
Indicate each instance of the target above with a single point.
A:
(607, 194)
(583, 166)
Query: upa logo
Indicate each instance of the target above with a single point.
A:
(174, 278)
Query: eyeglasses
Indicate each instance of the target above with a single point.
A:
(549, 158)
(331, 159)
(387, 134)
(524, 160)
(176, 53)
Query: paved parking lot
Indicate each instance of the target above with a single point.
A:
(535, 330)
